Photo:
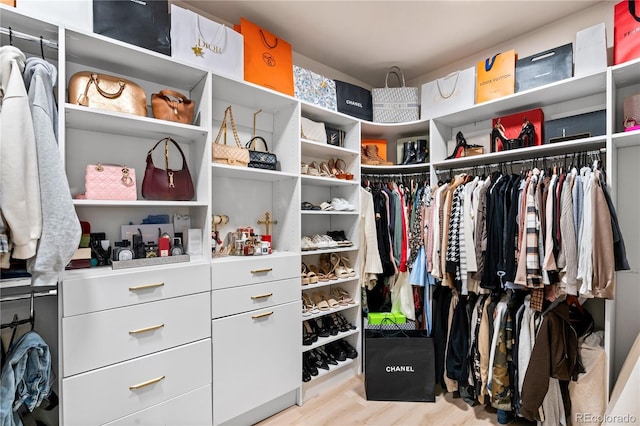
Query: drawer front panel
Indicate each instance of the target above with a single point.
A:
(256, 358)
(125, 288)
(235, 300)
(190, 409)
(238, 271)
(102, 338)
(110, 393)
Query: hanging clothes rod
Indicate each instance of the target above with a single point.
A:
(24, 36)
(394, 175)
(533, 160)
(52, 292)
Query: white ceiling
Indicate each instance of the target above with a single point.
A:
(363, 38)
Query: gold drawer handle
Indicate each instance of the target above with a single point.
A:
(262, 296)
(144, 330)
(266, 314)
(258, 271)
(147, 383)
(146, 286)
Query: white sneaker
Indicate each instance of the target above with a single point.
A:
(340, 204)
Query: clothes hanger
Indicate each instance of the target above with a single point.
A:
(42, 47)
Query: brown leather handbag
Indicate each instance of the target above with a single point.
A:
(167, 184)
(172, 106)
(107, 92)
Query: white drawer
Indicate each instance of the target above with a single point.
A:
(190, 409)
(237, 270)
(105, 395)
(256, 358)
(235, 300)
(102, 338)
(120, 288)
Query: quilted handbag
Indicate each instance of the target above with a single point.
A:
(312, 130)
(107, 92)
(261, 159)
(395, 104)
(229, 154)
(109, 182)
(172, 106)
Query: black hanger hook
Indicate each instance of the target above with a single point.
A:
(42, 47)
(10, 36)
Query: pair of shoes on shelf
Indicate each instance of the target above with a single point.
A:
(342, 266)
(308, 307)
(313, 361)
(309, 334)
(344, 324)
(318, 242)
(341, 205)
(340, 237)
(307, 275)
(308, 206)
(337, 168)
(323, 301)
(370, 156)
(341, 296)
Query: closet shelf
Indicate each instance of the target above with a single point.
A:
(240, 259)
(626, 139)
(332, 368)
(328, 283)
(331, 311)
(397, 168)
(318, 149)
(626, 73)
(329, 213)
(393, 131)
(119, 123)
(229, 91)
(249, 173)
(138, 203)
(324, 340)
(100, 271)
(329, 250)
(15, 282)
(325, 181)
(332, 117)
(532, 152)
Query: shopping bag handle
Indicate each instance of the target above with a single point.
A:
(398, 72)
(632, 10)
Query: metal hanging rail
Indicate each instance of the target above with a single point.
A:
(24, 36)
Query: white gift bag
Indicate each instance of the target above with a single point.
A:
(591, 50)
(445, 95)
(201, 41)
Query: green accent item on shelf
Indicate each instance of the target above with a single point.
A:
(386, 318)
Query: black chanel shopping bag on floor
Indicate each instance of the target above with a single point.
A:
(399, 365)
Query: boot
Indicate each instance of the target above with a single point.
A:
(409, 153)
(421, 151)
(365, 159)
(372, 153)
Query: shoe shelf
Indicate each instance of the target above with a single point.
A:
(328, 283)
(324, 340)
(397, 168)
(329, 213)
(329, 250)
(250, 173)
(626, 139)
(532, 152)
(138, 203)
(327, 181)
(330, 311)
(332, 368)
(318, 149)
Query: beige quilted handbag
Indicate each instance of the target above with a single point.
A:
(229, 154)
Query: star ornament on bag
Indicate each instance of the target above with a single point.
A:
(197, 50)
(269, 59)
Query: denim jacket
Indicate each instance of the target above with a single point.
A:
(25, 377)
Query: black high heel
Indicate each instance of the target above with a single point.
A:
(461, 145)
(499, 141)
(527, 134)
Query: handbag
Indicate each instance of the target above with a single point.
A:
(172, 106)
(314, 88)
(312, 130)
(261, 159)
(626, 31)
(201, 41)
(631, 111)
(399, 365)
(167, 184)
(496, 76)
(395, 104)
(268, 60)
(104, 91)
(229, 154)
(142, 23)
(109, 182)
(335, 137)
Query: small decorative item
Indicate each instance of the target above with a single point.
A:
(267, 222)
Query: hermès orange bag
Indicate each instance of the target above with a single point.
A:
(496, 77)
(268, 60)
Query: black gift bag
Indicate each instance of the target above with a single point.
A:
(399, 365)
(142, 23)
(354, 100)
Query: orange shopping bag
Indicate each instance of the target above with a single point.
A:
(496, 77)
(268, 60)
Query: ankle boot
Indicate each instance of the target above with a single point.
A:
(372, 153)
(365, 159)
(409, 153)
(421, 151)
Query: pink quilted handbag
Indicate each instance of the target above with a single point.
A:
(110, 182)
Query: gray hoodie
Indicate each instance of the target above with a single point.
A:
(60, 225)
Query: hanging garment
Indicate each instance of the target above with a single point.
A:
(619, 250)
(604, 284)
(370, 263)
(585, 245)
(480, 233)
(20, 196)
(60, 226)
(568, 276)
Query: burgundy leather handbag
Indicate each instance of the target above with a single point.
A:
(167, 184)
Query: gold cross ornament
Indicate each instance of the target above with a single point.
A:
(267, 222)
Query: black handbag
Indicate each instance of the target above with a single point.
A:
(261, 159)
(354, 100)
(335, 137)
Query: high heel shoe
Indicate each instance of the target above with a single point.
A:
(461, 144)
(347, 265)
(527, 134)
(499, 141)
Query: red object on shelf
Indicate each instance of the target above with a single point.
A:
(513, 124)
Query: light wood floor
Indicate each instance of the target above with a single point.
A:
(346, 405)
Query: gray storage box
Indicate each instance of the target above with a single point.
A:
(575, 127)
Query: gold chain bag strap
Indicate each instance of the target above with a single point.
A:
(229, 154)
(172, 106)
(107, 92)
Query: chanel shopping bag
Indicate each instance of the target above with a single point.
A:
(399, 365)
